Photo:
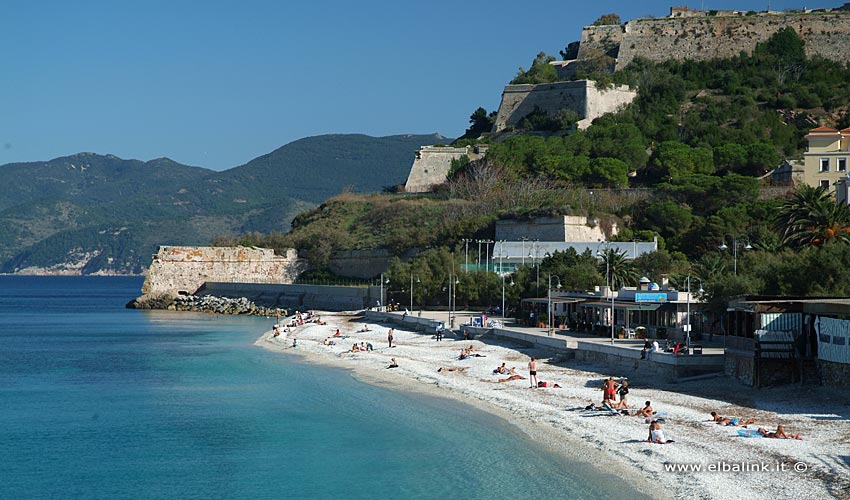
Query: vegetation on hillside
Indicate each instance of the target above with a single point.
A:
(684, 162)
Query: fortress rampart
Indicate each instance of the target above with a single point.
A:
(179, 269)
(583, 97)
(702, 36)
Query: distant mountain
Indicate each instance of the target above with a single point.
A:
(100, 214)
(316, 168)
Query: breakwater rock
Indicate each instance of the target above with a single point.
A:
(205, 303)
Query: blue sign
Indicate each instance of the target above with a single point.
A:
(651, 297)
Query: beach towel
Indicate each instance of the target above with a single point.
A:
(749, 433)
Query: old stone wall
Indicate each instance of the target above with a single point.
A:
(700, 36)
(300, 297)
(565, 228)
(431, 167)
(582, 96)
(364, 263)
(179, 269)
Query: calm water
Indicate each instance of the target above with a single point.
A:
(97, 401)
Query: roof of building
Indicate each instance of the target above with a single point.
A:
(536, 250)
(823, 132)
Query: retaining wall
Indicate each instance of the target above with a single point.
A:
(303, 297)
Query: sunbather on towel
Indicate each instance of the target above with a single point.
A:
(778, 434)
(731, 421)
(513, 375)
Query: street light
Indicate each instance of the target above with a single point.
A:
(735, 244)
(551, 330)
(503, 296)
(611, 285)
(411, 291)
(382, 302)
(688, 317)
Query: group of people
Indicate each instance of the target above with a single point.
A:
(469, 352)
(361, 347)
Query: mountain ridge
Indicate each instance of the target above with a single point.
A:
(89, 213)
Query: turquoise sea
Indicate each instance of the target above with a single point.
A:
(101, 402)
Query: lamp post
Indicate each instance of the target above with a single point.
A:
(735, 244)
(610, 285)
(411, 291)
(551, 329)
(466, 252)
(503, 296)
(382, 301)
(688, 317)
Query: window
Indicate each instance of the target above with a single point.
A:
(824, 184)
(824, 164)
(842, 164)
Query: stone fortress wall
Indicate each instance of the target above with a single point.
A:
(432, 164)
(704, 35)
(183, 269)
(563, 228)
(582, 96)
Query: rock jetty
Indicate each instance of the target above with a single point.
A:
(206, 304)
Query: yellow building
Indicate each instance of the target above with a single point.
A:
(826, 157)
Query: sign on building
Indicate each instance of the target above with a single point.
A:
(651, 297)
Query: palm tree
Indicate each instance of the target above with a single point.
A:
(812, 218)
(621, 271)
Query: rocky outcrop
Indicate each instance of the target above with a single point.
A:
(206, 304)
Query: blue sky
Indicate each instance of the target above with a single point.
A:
(217, 83)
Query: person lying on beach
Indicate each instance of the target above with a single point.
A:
(393, 363)
(731, 421)
(656, 435)
(501, 370)
(646, 411)
(778, 434)
(512, 377)
(364, 329)
(452, 368)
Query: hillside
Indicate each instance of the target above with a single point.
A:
(90, 213)
(316, 168)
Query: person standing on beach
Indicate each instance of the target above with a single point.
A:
(532, 373)
(390, 337)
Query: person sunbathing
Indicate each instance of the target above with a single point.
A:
(463, 354)
(646, 411)
(501, 370)
(731, 421)
(393, 363)
(511, 378)
(778, 434)
(452, 368)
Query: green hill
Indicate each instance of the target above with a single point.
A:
(316, 168)
(90, 213)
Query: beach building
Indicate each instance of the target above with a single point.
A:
(775, 340)
(646, 311)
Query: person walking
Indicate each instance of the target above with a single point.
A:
(532, 373)
(439, 332)
(390, 337)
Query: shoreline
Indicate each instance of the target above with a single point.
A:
(556, 419)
